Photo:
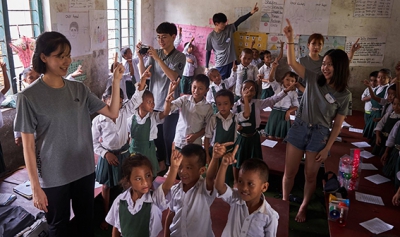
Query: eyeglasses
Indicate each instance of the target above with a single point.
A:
(161, 37)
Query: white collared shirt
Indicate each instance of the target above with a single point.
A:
(368, 104)
(288, 101)
(265, 70)
(262, 222)
(259, 105)
(380, 88)
(391, 140)
(159, 204)
(226, 123)
(192, 210)
(256, 62)
(192, 118)
(135, 61)
(381, 123)
(228, 82)
(252, 72)
(154, 121)
(189, 69)
(122, 83)
(108, 135)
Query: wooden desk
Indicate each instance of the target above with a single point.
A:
(274, 157)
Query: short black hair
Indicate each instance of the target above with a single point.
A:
(252, 82)
(392, 87)
(108, 91)
(195, 150)
(167, 28)
(373, 74)
(225, 92)
(290, 74)
(203, 79)
(135, 160)
(147, 93)
(246, 51)
(256, 165)
(219, 17)
(386, 71)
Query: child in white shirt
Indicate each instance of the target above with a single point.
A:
(2, 98)
(218, 84)
(245, 70)
(190, 67)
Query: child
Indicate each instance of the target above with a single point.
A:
(2, 98)
(189, 209)
(390, 158)
(256, 55)
(248, 137)
(122, 84)
(376, 110)
(131, 70)
(278, 123)
(138, 210)
(194, 113)
(142, 126)
(219, 84)
(250, 214)
(190, 67)
(245, 71)
(366, 96)
(110, 138)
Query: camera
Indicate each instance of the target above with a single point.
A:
(143, 49)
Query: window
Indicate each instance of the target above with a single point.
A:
(120, 26)
(17, 19)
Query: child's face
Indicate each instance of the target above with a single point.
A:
(190, 170)
(57, 62)
(141, 180)
(249, 85)
(128, 54)
(288, 81)
(315, 46)
(215, 76)
(267, 58)
(390, 95)
(382, 78)
(199, 90)
(396, 105)
(147, 104)
(256, 54)
(373, 82)
(31, 77)
(224, 105)
(190, 49)
(250, 186)
(246, 58)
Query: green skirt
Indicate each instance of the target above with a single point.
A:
(389, 169)
(379, 150)
(370, 125)
(148, 149)
(110, 175)
(277, 126)
(249, 147)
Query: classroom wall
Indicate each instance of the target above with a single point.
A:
(341, 23)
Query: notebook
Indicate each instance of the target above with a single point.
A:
(7, 198)
(24, 190)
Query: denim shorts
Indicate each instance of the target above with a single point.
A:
(307, 137)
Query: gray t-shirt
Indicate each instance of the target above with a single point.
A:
(222, 44)
(315, 107)
(61, 119)
(312, 65)
(159, 82)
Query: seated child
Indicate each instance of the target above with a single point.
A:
(390, 158)
(248, 137)
(191, 198)
(245, 71)
(190, 67)
(138, 210)
(250, 214)
(366, 96)
(194, 113)
(278, 123)
(218, 84)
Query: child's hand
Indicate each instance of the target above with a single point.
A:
(170, 98)
(366, 83)
(179, 30)
(3, 66)
(176, 159)
(260, 76)
(111, 159)
(119, 69)
(220, 149)
(229, 158)
(173, 85)
(190, 138)
(247, 93)
(287, 115)
(291, 87)
(396, 198)
(288, 31)
(275, 63)
(146, 74)
(383, 158)
(378, 140)
(376, 120)
(282, 43)
(78, 72)
(234, 67)
(356, 46)
(191, 40)
(189, 60)
(255, 9)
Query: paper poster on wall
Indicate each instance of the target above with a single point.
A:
(241, 11)
(274, 45)
(200, 39)
(98, 30)
(81, 5)
(371, 52)
(330, 42)
(271, 16)
(244, 40)
(373, 8)
(75, 26)
(308, 17)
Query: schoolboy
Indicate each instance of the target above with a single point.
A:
(245, 70)
(191, 198)
(218, 84)
(250, 214)
(131, 74)
(366, 96)
(194, 113)
(221, 41)
(263, 75)
(190, 67)
(256, 55)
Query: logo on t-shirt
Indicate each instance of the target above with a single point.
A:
(180, 66)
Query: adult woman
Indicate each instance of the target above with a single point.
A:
(325, 99)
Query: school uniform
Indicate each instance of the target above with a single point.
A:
(248, 137)
(262, 222)
(376, 111)
(385, 125)
(192, 210)
(140, 218)
(266, 89)
(256, 62)
(128, 78)
(244, 73)
(143, 131)
(367, 105)
(214, 88)
(2, 164)
(277, 126)
(392, 165)
(188, 72)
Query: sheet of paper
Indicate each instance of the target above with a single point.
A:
(362, 197)
(345, 124)
(356, 130)
(361, 144)
(269, 143)
(376, 226)
(97, 185)
(267, 109)
(366, 154)
(377, 179)
(292, 117)
(368, 166)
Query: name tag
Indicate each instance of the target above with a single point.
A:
(245, 124)
(228, 40)
(171, 66)
(330, 98)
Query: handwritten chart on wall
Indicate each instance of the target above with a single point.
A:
(330, 42)
(371, 52)
(272, 16)
(308, 17)
(244, 39)
(373, 8)
(200, 39)
(81, 5)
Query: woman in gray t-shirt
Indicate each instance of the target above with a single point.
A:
(325, 99)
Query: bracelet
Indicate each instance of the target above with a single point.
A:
(290, 43)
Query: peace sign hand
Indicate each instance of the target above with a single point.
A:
(229, 158)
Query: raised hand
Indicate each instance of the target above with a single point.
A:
(275, 63)
(146, 74)
(229, 158)
(220, 149)
(288, 31)
(255, 9)
(176, 159)
(356, 46)
(173, 85)
(119, 69)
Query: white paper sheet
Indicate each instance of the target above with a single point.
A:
(292, 117)
(366, 154)
(376, 226)
(346, 125)
(377, 179)
(361, 144)
(362, 197)
(267, 109)
(269, 143)
(356, 130)
(368, 166)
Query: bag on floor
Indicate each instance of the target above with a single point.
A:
(332, 184)
(14, 219)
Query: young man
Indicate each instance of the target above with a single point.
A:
(221, 41)
(167, 65)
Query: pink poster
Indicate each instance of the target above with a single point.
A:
(200, 38)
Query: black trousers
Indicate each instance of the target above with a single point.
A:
(165, 137)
